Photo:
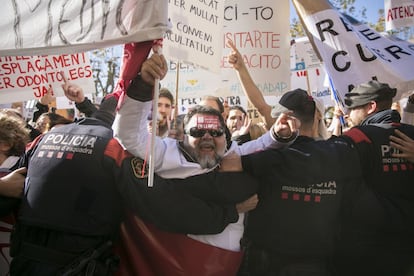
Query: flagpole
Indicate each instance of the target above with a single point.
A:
(177, 79)
(157, 49)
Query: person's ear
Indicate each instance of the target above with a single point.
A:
(371, 107)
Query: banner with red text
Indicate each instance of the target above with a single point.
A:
(62, 27)
(28, 77)
(352, 52)
(398, 14)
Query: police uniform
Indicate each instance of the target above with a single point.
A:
(301, 194)
(377, 238)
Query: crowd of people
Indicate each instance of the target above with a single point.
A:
(297, 197)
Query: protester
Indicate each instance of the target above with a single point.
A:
(255, 96)
(238, 123)
(13, 139)
(165, 106)
(203, 146)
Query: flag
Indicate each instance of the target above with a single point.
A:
(352, 52)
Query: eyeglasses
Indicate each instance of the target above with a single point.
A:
(198, 133)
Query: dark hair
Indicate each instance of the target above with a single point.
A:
(13, 131)
(238, 107)
(216, 99)
(165, 93)
(206, 110)
(55, 119)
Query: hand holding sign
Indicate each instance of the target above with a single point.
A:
(72, 91)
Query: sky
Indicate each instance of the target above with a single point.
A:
(372, 7)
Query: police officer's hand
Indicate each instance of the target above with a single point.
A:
(247, 205)
(404, 144)
(154, 68)
(12, 184)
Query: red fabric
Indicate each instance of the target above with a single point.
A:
(134, 55)
(148, 251)
(357, 135)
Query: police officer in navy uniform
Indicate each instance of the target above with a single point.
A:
(301, 192)
(378, 235)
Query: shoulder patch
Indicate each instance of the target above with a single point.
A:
(139, 167)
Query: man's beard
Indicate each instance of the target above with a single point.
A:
(207, 161)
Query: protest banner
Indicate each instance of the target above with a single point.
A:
(195, 37)
(398, 14)
(29, 77)
(62, 27)
(261, 32)
(352, 52)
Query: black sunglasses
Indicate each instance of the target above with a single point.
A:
(198, 133)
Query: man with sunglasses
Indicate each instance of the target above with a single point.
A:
(201, 150)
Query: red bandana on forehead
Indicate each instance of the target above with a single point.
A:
(208, 122)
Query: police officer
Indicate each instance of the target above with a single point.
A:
(293, 229)
(377, 237)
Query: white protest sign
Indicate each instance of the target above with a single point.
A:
(398, 14)
(353, 53)
(260, 30)
(195, 37)
(308, 71)
(61, 26)
(28, 77)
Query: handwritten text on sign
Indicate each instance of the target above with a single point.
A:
(61, 26)
(32, 75)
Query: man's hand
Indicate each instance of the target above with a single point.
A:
(72, 91)
(231, 163)
(286, 126)
(12, 184)
(404, 144)
(245, 128)
(154, 68)
(247, 205)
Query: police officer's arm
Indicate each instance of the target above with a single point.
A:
(193, 206)
(403, 143)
